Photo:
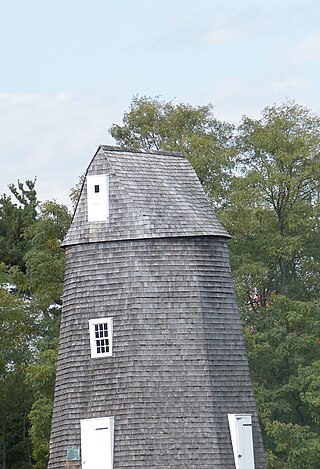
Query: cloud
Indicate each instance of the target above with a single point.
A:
(309, 49)
(222, 35)
(292, 52)
(51, 137)
(290, 85)
(20, 99)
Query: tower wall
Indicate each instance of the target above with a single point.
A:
(178, 365)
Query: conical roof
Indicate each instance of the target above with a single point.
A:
(152, 194)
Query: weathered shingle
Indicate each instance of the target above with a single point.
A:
(152, 195)
(179, 364)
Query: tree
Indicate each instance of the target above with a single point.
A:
(44, 259)
(17, 335)
(15, 217)
(266, 182)
(152, 124)
(30, 304)
(273, 217)
(273, 210)
(17, 212)
(76, 191)
(41, 378)
(44, 279)
(284, 354)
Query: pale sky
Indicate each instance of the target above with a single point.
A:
(69, 69)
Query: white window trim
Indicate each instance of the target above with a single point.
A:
(92, 323)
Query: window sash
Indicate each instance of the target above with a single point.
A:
(101, 332)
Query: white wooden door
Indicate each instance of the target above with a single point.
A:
(242, 440)
(245, 443)
(98, 197)
(97, 443)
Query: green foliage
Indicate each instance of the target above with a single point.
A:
(284, 353)
(30, 302)
(310, 397)
(273, 210)
(75, 191)
(44, 278)
(15, 217)
(295, 447)
(17, 335)
(266, 181)
(45, 259)
(205, 141)
(41, 377)
(264, 177)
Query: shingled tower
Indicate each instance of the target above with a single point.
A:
(152, 371)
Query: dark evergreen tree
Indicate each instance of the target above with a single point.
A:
(17, 213)
(31, 278)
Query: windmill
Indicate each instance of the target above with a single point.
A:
(152, 371)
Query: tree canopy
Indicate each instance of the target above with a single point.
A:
(207, 142)
(273, 208)
(15, 216)
(264, 179)
(31, 278)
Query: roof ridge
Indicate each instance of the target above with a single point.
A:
(141, 150)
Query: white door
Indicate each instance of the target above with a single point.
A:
(97, 443)
(98, 197)
(245, 442)
(242, 440)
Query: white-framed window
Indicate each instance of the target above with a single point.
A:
(101, 331)
(98, 197)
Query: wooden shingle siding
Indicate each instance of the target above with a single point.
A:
(178, 365)
(151, 196)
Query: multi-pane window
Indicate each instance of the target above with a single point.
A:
(100, 337)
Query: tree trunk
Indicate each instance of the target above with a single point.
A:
(283, 275)
(25, 437)
(4, 449)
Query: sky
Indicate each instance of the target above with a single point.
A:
(69, 70)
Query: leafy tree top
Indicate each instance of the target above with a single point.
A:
(154, 124)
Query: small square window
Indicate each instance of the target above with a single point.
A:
(73, 454)
(101, 337)
(97, 188)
